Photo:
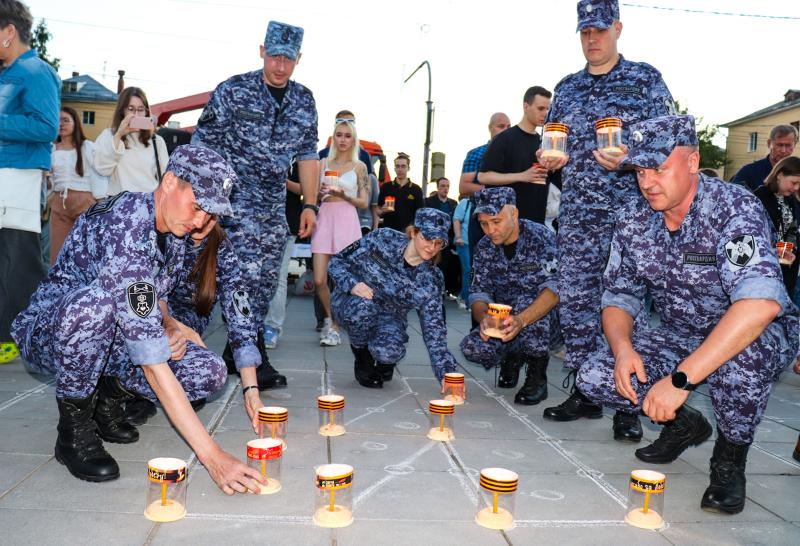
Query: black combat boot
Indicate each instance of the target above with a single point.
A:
(138, 410)
(726, 493)
(627, 427)
(365, 372)
(796, 452)
(509, 372)
(267, 376)
(534, 390)
(78, 447)
(386, 371)
(110, 412)
(689, 428)
(574, 407)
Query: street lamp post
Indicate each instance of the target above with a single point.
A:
(428, 128)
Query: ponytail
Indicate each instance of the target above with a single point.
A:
(204, 272)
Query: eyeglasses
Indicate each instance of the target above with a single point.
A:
(140, 110)
(345, 120)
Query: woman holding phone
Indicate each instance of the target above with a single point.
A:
(130, 153)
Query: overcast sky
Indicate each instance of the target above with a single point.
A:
(484, 55)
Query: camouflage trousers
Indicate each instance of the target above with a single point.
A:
(77, 339)
(739, 389)
(583, 251)
(371, 326)
(259, 239)
(531, 342)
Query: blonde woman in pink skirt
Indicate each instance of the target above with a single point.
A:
(344, 188)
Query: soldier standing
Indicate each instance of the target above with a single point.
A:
(98, 321)
(260, 122)
(703, 250)
(515, 264)
(379, 279)
(593, 188)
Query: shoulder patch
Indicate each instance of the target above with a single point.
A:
(740, 250)
(141, 298)
(104, 205)
(349, 250)
(207, 116)
(241, 302)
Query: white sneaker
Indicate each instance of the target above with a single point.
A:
(326, 326)
(332, 339)
(461, 304)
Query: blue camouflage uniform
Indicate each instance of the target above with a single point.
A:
(721, 254)
(380, 323)
(516, 282)
(97, 310)
(231, 293)
(591, 195)
(260, 138)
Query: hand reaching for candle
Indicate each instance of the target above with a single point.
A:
(610, 161)
(511, 327)
(231, 475)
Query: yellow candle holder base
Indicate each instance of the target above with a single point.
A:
(612, 150)
(457, 400)
(503, 519)
(553, 153)
(650, 520)
(331, 430)
(493, 332)
(441, 435)
(172, 511)
(340, 517)
(272, 486)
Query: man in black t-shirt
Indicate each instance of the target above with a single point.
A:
(407, 196)
(511, 154)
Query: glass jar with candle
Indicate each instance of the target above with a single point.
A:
(498, 312)
(264, 455)
(498, 489)
(554, 140)
(645, 507)
(441, 419)
(331, 414)
(273, 422)
(333, 506)
(166, 489)
(609, 135)
(454, 389)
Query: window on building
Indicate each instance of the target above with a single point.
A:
(70, 87)
(796, 125)
(88, 118)
(753, 144)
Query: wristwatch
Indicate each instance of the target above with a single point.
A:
(681, 381)
(315, 208)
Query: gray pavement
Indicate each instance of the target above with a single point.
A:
(407, 489)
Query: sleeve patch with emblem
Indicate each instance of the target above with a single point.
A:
(241, 302)
(141, 298)
(740, 250)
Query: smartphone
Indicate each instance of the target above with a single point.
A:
(141, 123)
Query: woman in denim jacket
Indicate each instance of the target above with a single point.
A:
(29, 90)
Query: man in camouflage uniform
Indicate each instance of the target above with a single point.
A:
(261, 122)
(96, 321)
(378, 280)
(703, 250)
(593, 189)
(515, 264)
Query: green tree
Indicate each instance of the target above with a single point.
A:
(711, 155)
(39, 41)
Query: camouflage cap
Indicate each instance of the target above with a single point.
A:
(492, 200)
(652, 140)
(597, 13)
(433, 223)
(209, 174)
(283, 39)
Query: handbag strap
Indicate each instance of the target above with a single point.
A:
(158, 163)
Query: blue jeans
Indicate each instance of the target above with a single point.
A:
(463, 255)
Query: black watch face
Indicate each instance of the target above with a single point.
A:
(679, 380)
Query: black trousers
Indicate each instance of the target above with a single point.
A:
(21, 270)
